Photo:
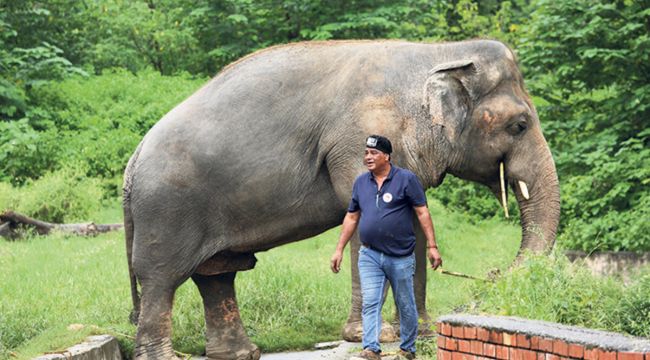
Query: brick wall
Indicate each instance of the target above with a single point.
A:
(468, 337)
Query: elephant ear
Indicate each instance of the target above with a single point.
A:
(448, 95)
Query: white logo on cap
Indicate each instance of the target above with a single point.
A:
(371, 142)
(388, 197)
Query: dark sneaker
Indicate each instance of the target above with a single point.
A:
(403, 354)
(369, 355)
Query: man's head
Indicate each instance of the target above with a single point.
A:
(377, 154)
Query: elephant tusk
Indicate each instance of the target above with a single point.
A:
(524, 189)
(504, 201)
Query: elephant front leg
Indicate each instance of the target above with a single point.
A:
(226, 337)
(425, 324)
(353, 329)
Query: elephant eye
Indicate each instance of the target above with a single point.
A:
(517, 126)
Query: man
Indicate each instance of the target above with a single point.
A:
(383, 202)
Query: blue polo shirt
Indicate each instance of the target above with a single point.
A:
(386, 222)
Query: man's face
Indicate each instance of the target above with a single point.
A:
(375, 159)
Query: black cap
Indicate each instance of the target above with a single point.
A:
(380, 143)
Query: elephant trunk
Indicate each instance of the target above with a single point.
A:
(539, 207)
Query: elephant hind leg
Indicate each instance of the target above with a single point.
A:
(153, 338)
(226, 337)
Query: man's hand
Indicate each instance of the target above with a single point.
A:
(335, 262)
(434, 257)
(349, 225)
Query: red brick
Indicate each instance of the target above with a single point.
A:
(482, 334)
(534, 342)
(451, 344)
(516, 354)
(495, 337)
(546, 345)
(489, 350)
(523, 341)
(560, 348)
(578, 351)
(470, 333)
(647, 356)
(445, 329)
(464, 346)
(502, 352)
(630, 356)
(441, 342)
(529, 355)
(606, 355)
(477, 347)
(509, 339)
(541, 356)
(552, 357)
(457, 332)
(591, 354)
(444, 355)
(461, 356)
(439, 327)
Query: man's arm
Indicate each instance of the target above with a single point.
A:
(424, 218)
(349, 225)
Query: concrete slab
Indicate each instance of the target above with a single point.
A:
(100, 347)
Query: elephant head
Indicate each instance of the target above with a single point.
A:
(494, 137)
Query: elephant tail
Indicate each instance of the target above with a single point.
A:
(128, 232)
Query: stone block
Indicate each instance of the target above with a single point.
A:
(99, 347)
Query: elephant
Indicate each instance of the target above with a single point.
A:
(266, 153)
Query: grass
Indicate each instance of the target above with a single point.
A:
(290, 301)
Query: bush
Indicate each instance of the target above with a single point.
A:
(554, 289)
(24, 152)
(65, 195)
(634, 309)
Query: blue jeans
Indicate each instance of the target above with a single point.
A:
(375, 270)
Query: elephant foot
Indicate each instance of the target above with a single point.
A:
(247, 351)
(353, 331)
(154, 351)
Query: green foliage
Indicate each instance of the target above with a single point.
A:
(633, 311)
(66, 195)
(96, 121)
(590, 62)
(21, 69)
(24, 152)
(553, 289)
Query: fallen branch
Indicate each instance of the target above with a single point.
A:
(10, 221)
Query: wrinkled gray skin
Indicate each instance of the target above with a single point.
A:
(266, 154)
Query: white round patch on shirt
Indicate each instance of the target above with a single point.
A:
(388, 197)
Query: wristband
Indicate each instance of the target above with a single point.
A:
(432, 247)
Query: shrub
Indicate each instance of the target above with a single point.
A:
(554, 289)
(65, 195)
(24, 152)
(633, 311)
